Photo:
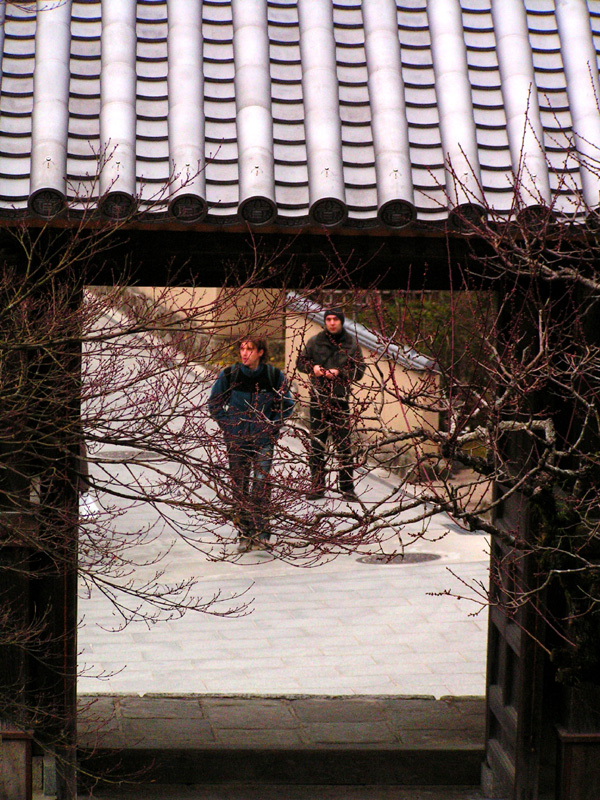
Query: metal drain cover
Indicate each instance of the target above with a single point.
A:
(407, 558)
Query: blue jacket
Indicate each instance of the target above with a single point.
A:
(251, 405)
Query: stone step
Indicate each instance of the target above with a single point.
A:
(295, 739)
(329, 766)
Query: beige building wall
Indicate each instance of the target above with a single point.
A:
(222, 315)
(227, 312)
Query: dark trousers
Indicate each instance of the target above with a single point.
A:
(331, 417)
(250, 467)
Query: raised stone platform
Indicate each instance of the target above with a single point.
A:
(286, 739)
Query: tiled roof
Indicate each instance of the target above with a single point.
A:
(297, 112)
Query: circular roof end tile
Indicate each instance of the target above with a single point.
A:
(467, 218)
(593, 219)
(188, 208)
(117, 205)
(397, 213)
(329, 211)
(46, 203)
(258, 210)
(536, 216)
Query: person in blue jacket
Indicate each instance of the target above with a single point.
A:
(250, 401)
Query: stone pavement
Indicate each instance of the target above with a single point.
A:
(346, 627)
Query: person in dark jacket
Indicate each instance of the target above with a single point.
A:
(250, 401)
(334, 361)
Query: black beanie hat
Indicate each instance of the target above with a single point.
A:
(335, 312)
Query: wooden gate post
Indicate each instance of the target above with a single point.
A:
(517, 756)
(39, 466)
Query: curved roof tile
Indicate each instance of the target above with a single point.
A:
(294, 113)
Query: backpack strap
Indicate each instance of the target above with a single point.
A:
(273, 374)
(230, 374)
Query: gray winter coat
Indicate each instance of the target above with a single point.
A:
(340, 352)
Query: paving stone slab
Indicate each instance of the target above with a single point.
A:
(259, 714)
(160, 707)
(353, 709)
